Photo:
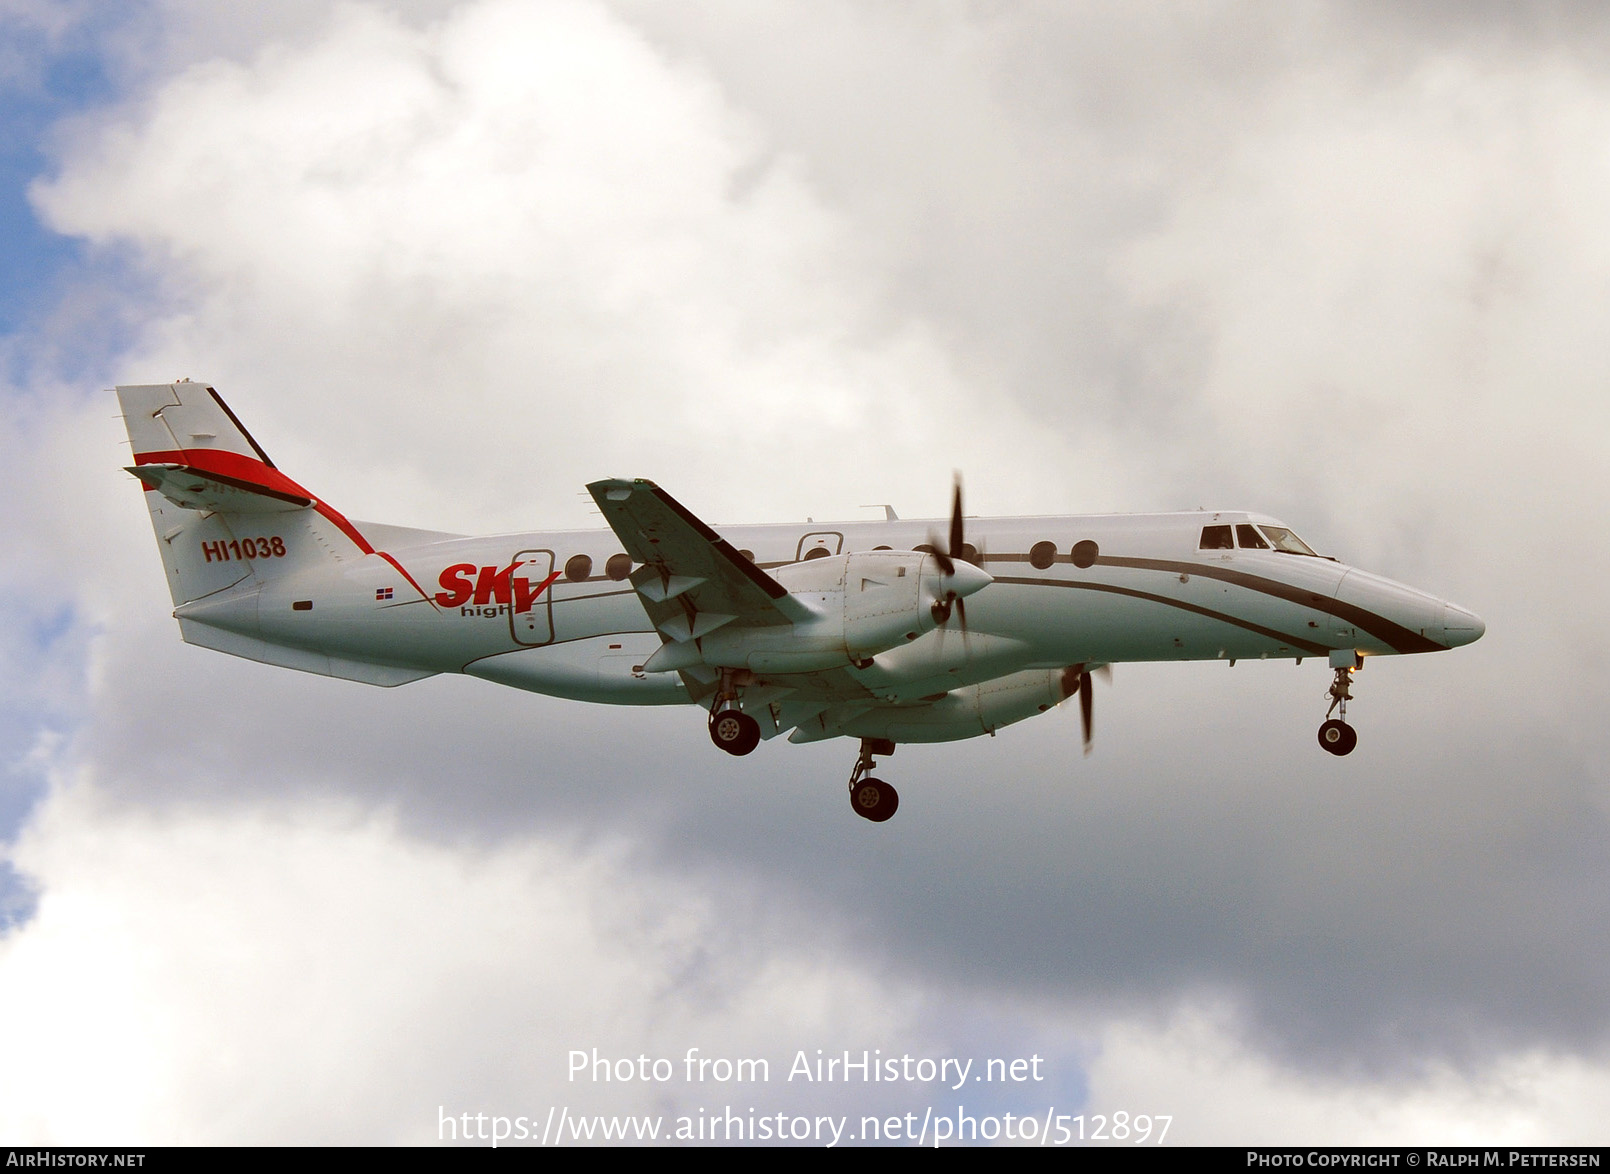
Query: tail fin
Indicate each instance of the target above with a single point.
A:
(221, 510)
(227, 522)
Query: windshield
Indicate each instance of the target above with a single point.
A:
(1285, 541)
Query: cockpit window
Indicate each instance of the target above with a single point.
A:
(1286, 542)
(1216, 538)
(1249, 539)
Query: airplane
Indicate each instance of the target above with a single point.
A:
(886, 631)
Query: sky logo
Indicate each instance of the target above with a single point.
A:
(491, 584)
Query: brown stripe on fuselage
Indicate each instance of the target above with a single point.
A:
(1306, 646)
(1400, 638)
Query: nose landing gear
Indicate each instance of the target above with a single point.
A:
(872, 798)
(1335, 735)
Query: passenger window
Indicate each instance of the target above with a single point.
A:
(618, 566)
(816, 552)
(578, 568)
(1249, 538)
(1042, 554)
(1216, 538)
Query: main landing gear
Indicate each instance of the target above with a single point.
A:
(872, 798)
(734, 731)
(730, 727)
(1336, 736)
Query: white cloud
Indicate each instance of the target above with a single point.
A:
(530, 222)
(1194, 1067)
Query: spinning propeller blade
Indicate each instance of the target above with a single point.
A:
(946, 558)
(1078, 678)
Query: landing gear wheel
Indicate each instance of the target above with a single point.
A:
(874, 799)
(734, 731)
(1338, 738)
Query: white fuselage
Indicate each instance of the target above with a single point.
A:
(504, 608)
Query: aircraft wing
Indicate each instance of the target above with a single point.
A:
(692, 581)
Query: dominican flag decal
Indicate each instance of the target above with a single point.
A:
(382, 593)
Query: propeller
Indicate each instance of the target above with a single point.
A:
(956, 587)
(1078, 678)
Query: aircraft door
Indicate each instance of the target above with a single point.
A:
(829, 541)
(534, 624)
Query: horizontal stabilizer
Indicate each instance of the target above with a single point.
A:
(193, 489)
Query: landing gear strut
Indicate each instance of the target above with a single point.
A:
(730, 727)
(1336, 736)
(872, 798)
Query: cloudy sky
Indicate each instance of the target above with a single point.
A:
(1347, 264)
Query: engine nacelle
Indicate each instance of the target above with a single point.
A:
(852, 607)
(962, 713)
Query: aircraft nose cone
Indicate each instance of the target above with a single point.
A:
(1460, 626)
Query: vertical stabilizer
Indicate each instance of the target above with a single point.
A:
(222, 512)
